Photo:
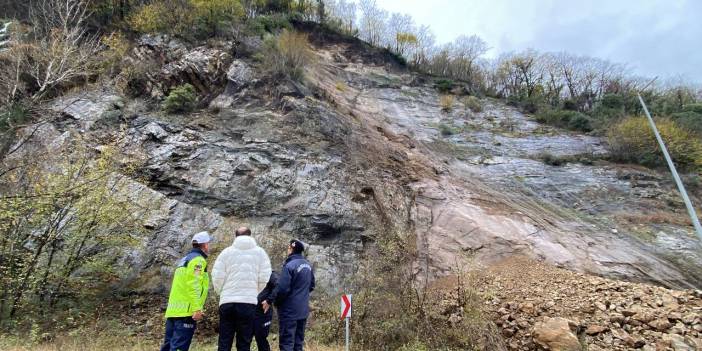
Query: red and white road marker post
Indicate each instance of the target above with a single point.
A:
(346, 314)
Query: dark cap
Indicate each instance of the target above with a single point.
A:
(297, 246)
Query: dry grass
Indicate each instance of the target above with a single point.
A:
(115, 341)
(446, 102)
(657, 217)
(473, 103)
(341, 86)
(289, 53)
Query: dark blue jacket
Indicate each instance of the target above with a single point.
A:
(292, 294)
(267, 294)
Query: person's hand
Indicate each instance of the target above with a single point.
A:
(198, 315)
(266, 306)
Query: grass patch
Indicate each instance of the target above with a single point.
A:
(108, 340)
(571, 120)
(446, 102)
(341, 86)
(13, 115)
(182, 99)
(473, 103)
(552, 160)
(448, 130)
(557, 161)
(409, 93)
(444, 85)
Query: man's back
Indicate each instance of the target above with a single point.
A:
(241, 271)
(294, 286)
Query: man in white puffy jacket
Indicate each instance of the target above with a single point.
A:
(240, 272)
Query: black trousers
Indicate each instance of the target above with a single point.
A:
(262, 327)
(236, 320)
(292, 334)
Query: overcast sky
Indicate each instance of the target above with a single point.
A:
(654, 37)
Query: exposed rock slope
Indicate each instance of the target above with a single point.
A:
(357, 151)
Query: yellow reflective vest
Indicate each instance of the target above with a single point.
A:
(190, 284)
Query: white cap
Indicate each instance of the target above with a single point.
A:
(201, 238)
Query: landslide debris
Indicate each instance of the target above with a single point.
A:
(541, 307)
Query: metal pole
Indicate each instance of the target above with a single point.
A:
(681, 187)
(347, 333)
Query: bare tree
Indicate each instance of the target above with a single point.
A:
(400, 33)
(425, 47)
(373, 22)
(59, 52)
(343, 13)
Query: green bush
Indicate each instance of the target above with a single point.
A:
(189, 19)
(13, 115)
(689, 120)
(632, 140)
(150, 18)
(580, 122)
(268, 24)
(473, 103)
(570, 105)
(447, 130)
(444, 85)
(552, 160)
(612, 101)
(566, 119)
(531, 104)
(696, 108)
(610, 107)
(401, 60)
(181, 99)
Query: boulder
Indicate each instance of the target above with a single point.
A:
(660, 324)
(595, 329)
(527, 308)
(239, 75)
(555, 334)
(679, 343)
(165, 62)
(202, 67)
(160, 48)
(86, 109)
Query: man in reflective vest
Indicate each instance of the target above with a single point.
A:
(188, 295)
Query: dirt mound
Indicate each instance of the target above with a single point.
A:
(525, 297)
(355, 48)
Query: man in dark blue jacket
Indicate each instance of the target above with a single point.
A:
(292, 297)
(264, 315)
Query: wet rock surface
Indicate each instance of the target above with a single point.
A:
(504, 184)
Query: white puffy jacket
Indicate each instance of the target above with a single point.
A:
(241, 271)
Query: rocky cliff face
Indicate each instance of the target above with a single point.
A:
(358, 151)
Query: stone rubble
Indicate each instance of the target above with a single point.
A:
(540, 307)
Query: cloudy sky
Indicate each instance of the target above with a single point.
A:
(654, 37)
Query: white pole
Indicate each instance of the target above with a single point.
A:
(681, 187)
(347, 333)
